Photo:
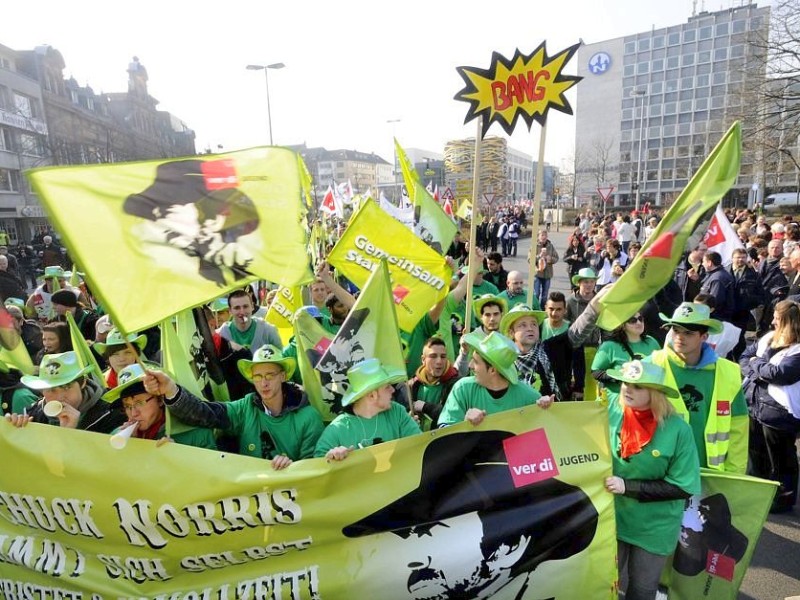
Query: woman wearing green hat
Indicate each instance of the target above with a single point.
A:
(370, 417)
(119, 354)
(275, 422)
(655, 468)
(628, 342)
(72, 399)
(148, 413)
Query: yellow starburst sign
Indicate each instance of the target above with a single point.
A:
(527, 87)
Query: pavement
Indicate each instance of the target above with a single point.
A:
(774, 572)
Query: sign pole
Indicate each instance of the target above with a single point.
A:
(476, 180)
(537, 205)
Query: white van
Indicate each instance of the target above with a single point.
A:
(783, 199)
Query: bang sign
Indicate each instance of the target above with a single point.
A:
(526, 87)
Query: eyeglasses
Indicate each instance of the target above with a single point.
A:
(259, 377)
(137, 404)
(633, 320)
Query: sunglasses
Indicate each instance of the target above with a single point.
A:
(633, 320)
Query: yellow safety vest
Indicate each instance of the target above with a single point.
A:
(727, 384)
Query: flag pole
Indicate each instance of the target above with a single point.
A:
(537, 205)
(476, 180)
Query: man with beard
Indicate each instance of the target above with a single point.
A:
(433, 381)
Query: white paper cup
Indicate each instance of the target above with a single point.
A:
(53, 408)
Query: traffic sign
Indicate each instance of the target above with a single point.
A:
(605, 192)
(448, 194)
(488, 197)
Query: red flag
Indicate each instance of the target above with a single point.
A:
(721, 237)
(448, 208)
(329, 202)
(437, 197)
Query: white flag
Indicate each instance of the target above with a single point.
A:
(721, 237)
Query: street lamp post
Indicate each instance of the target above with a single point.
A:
(393, 123)
(266, 69)
(636, 93)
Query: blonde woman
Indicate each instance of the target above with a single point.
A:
(771, 368)
(655, 469)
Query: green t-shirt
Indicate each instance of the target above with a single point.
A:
(330, 326)
(696, 385)
(670, 455)
(520, 299)
(21, 399)
(548, 331)
(468, 393)
(243, 338)
(485, 287)
(350, 430)
(612, 355)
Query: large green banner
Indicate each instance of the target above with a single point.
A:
(514, 508)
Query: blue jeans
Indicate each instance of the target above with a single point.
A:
(541, 287)
(641, 568)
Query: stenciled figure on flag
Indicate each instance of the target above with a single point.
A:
(196, 207)
(709, 541)
(469, 530)
(422, 232)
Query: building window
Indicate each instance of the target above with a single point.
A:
(5, 139)
(9, 180)
(628, 70)
(737, 51)
(686, 106)
(701, 104)
(670, 108)
(739, 26)
(722, 29)
(669, 151)
(705, 33)
(721, 54)
(674, 39)
(688, 60)
(653, 133)
(644, 45)
(689, 36)
(687, 83)
(655, 110)
(643, 68)
(703, 57)
(658, 41)
(656, 87)
(23, 105)
(719, 78)
(672, 62)
(658, 65)
(652, 153)
(630, 47)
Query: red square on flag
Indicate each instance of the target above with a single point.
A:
(720, 565)
(399, 293)
(322, 345)
(723, 408)
(219, 174)
(530, 458)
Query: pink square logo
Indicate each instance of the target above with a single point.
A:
(530, 458)
(399, 293)
(720, 565)
(322, 345)
(219, 174)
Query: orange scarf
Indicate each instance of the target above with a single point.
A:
(638, 427)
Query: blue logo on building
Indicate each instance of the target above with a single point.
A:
(599, 63)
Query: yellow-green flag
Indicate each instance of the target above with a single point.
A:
(157, 237)
(655, 264)
(420, 276)
(431, 223)
(85, 356)
(312, 340)
(282, 309)
(465, 210)
(12, 350)
(369, 331)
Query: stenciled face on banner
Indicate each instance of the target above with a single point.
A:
(525, 87)
(197, 208)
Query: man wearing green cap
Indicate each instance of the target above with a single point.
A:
(710, 387)
(494, 387)
(276, 422)
(585, 281)
(65, 383)
(370, 417)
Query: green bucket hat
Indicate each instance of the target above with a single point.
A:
(115, 338)
(18, 302)
(645, 374)
(479, 302)
(368, 376)
(690, 314)
(56, 370)
(465, 269)
(497, 350)
(128, 379)
(267, 354)
(519, 311)
(218, 305)
(54, 272)
(585, 273)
